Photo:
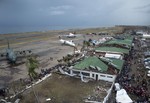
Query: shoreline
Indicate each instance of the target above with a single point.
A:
(42, 30)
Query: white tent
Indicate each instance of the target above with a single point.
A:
(117, 86)
(148, 75)
(145, 35)
(122, 97)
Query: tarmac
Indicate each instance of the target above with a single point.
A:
(46, 46)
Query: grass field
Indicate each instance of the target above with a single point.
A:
(64, 89)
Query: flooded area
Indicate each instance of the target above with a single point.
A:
(64, 89)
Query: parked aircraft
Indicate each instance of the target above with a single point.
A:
(66, 42)
(70, 35)
(12, 55)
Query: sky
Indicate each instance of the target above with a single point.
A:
(40, 15)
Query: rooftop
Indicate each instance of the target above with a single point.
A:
(126, 41)
(92, 61)
(117, 63)
(112, 49)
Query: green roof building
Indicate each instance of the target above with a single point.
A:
(96, 68)
(92, 62)
(127, 42)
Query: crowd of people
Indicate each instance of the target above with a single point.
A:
(135, 83)
(43, 73)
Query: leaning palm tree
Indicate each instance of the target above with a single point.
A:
(86, 44)
(32, 64)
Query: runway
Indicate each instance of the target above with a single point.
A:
(25, 41)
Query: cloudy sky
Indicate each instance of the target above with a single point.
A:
(32, 15)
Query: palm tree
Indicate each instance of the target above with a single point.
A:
(85, 44)
(32, 64)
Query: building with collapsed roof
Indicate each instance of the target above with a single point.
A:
(123, 43)
(97, 68)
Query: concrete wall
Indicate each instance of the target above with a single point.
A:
(108, 94)
(94, 75)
